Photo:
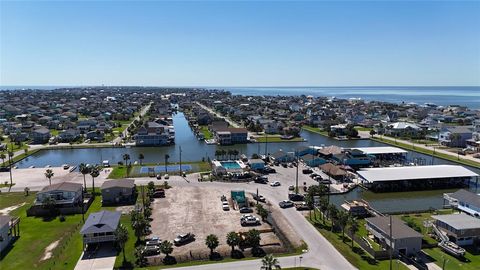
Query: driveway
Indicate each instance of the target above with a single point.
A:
(103, 259)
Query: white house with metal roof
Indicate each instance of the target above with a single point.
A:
(100, 227)
(461, 228)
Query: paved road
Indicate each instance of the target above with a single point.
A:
(232, 123)
(124, 134)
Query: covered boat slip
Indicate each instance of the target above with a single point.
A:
(416, 177)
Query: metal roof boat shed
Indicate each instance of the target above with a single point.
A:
(416, 177)
(382, 150)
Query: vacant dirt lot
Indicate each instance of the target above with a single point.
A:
(199, 210)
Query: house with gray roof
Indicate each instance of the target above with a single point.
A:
(100, 227)
(466, 201)
(456, 136)
(461, 229)
(402, 239)
(118, 191)
(9, 230)
(65, 194)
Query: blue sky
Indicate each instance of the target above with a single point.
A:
(239, 43)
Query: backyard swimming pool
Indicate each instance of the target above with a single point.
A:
(230, 165)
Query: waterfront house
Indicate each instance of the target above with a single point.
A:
(334, 171)
(402, 239)
(9, 230)
(353, 157)
(399, 129)
(304, 150)
(65, 194)
(100, 227)
(282, 157)
(95, 135)
(462, 229)
(256, 164)
(456, 136)
(152, 134)
(329, 151)
(40, 135)
(69, 135)
(465, 201)
(120, 191)
(312, 160)
(227, 136)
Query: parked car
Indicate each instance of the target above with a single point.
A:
(285, 204)
(151, 250)
(295, 197)
(261, 180)
(225, 206)
(269, 170)
(302, 206)
(159, 176)
(313, 175)
(275, 184)
(291, 187)
(307, 171)
(324, 181)
(166, 176)
(159, 193)
(250, 221)
(260, 198)
(246, 210)
(183, 239)
(153, 241)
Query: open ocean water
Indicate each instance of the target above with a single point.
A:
(441, 95)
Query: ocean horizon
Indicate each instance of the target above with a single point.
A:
(440, 95)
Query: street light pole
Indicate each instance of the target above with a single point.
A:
(296, 176)
(391, 245)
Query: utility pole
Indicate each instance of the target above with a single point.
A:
(83, 208)
(391, 244)
(266, 141)
(296, 175)
(181, 174)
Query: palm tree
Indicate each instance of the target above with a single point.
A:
(166, 162)
(84, 170)
(166, 247)
(253, 238)
(269, 262)
(121, 234)
(235, 153)
(223, 153)
(353, 227)
(262, 212)
(26, 190)
(141, 157)
(233, 239)
(218, 153)
(3, 157)
(212, 242)
(126, 157)
(230, 153)
(95, 172)
(139, 226)
(342, 222)
(49, 174)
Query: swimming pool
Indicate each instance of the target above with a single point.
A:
(230, 165)
(170, 168)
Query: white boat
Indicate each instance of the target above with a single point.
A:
(452, 248)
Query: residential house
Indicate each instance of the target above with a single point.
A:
(228, 136)
(256, 164)
(465, 201)
(65, 194)
(121, 191)
(455, 136)
(313, 160)
(100, 227)
(282, 157)
(9, 230)
(395, 234)
(462, 229)
(402, 129)
(69, 135)
(153, 134)
(335, 171)
(354, 158)
(40, 135)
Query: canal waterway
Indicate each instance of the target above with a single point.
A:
(194, 150)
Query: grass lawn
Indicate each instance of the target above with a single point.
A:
(13, 146)
(315, 130)
(207, 133)
(428, 152)
(356, 255)
(276, 138)
(36, 234)
(121, 171)
(472, 258)
(362, 128)
(54, 132)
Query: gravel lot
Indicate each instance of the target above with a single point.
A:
(199, 210)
